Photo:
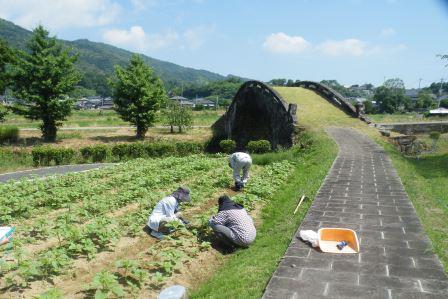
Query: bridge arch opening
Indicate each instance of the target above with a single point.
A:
(256, 112)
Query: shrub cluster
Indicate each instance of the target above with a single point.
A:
(434, 135)
(8, 134)
(95, 153)
(45, 155)
(156, 149)
(258, 146)
(227, 145)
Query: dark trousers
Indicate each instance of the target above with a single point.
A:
(224, 234)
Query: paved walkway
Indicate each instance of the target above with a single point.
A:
(49, 171)
(363, 192)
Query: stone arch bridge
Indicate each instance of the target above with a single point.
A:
(259, 112)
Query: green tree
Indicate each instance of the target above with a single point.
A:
(369, 108)
(278, 82)
(42, 77)
(138, 94)
(6, 59)
(444, 57)
(179, 116)
(425, 101)
(3, 113)
(444, 103)
(391, 98)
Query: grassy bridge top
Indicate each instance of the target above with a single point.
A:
(316, 113)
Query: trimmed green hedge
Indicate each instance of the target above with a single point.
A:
(258, 146)
(227, 145)
(45, 155)
(8, 134)
(95, 153)
(48, 155)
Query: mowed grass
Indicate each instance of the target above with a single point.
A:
(403, 118)
(425, 178)
(108, 118)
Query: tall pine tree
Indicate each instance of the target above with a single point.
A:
(41, 80)
(6, 59)
(138, 94)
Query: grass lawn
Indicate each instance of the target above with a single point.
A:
(107, 118)
(403, 118)
(426, 182)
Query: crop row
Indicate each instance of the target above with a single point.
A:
(101, 232)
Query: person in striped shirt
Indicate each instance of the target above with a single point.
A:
(232, 225)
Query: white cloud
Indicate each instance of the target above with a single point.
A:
(387, 32)
(283, 43)
(351, 47)
(139, 5)
(61, 13)
(136, 39)
(195, 37)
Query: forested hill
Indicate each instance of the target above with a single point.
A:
(96, 61)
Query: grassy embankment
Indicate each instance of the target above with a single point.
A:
(403, 118)
(424, 180)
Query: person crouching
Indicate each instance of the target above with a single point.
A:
(240, 161)
(232, 225)
(166, 211)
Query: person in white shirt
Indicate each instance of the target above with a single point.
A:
(166, 211)
(240, 162)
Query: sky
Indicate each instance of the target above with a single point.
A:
(352, 41)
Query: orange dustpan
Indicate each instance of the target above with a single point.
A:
(330, 237)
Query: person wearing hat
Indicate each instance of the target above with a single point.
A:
(166, 211)
(232, 225)
(240, 161)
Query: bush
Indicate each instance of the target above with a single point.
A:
(189, 148)
(96, 153)
(121, 150)
(9, 134)
(227, 145)
(259, 147)
(136, 150)
(45, 155)
(434, 135)
(160, 149)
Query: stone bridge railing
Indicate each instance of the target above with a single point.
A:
(332, 96)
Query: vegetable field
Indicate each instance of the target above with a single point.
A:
(81, 235)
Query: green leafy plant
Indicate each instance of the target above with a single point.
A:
(259, 146)
(105, 284)
(227, 146)
(51, 294)
(131, 273)
(8, 134)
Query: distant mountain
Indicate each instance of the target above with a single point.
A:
(96, 61)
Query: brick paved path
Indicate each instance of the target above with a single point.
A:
(363, 192)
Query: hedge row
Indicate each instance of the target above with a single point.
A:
(254, 147)
(8, 134)
(47, 155)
